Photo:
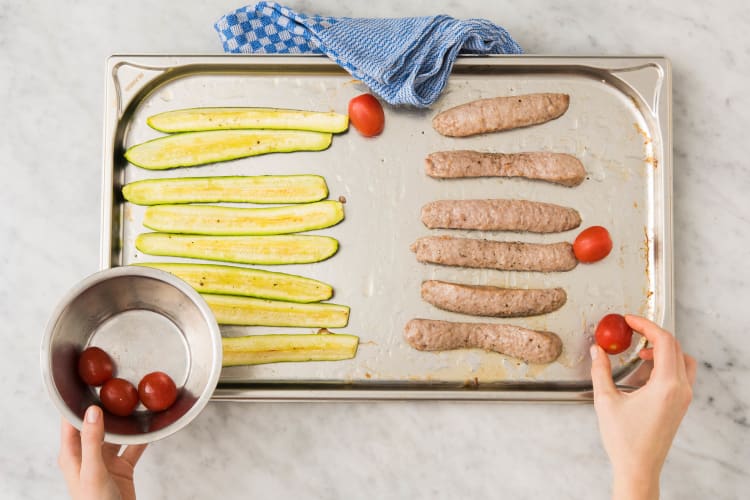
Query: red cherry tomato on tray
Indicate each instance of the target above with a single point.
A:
(157, 391)
(119, 397)
(366, 114)
(613, 334)
(95, 366)
(592, 244)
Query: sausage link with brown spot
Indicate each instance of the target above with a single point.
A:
(500, 113)
(558, 168)
(487, 254)
(492, 301)
(500, 215)
(527, 345)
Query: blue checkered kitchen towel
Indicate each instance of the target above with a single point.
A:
(404, 61)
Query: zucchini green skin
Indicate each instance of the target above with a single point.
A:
(233, 280)
(231, 221)
(232, 189)
(248, 311)
(195, 119)
(282, 249)
(279, 348)
(199, 148)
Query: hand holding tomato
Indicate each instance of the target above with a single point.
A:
(367, 115)
(637, 429)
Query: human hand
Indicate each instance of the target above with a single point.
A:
(92, 468)
(637, 428)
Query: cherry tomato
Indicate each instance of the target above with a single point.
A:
(613, 334)
(157, 391)
(119, 397)
(366, 114)
(95, 366)
(592, 244)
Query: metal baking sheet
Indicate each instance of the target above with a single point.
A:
(618, 124)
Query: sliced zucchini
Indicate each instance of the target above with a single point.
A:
(231, 310)
(233, 280)
(188, 120)
(239, 189)
(230, 221)
(199, 148)
(285, 249)
(259, 349)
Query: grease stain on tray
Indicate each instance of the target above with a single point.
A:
(643, 133)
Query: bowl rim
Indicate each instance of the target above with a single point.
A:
(144, 272)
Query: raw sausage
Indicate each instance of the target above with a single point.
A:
(491, 300)
(558, 168)
(500, 215)
(527, 345)
(505, 256)
(500, 113)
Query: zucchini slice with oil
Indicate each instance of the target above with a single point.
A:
(277, 348)
(283, 249)
(192, 119)
(248, 311)
(233, 280)
(231, 221)
(237, 189)
(199, 148)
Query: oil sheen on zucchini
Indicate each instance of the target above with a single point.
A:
(231, 221)
(234, 280)
(283, 249)
(237, 189)
(187, 120)
(199, 148)
(259, 349)
(247, 311)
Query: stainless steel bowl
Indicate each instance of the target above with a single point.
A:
(146, 320)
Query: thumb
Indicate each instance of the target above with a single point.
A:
(601, 373)
(92, 438)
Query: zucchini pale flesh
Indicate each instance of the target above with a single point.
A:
(238, 189)
(187, 120)
(284, 249)
(233, 280)
(259, 349)
(199, 148)
(248, 311)
(230, 221)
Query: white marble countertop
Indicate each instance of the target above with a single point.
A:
(51, 93)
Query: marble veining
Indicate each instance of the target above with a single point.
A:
(51, 97)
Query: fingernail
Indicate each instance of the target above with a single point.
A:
(92, 414)
(594, 352)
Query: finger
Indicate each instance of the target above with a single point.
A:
(601, 373)
(110, 451)
(70, 442)
(690, 368)
(646, 354)
(70, 451)
(92, 437)
(133, 453)
(680, 367)
(665, 359)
